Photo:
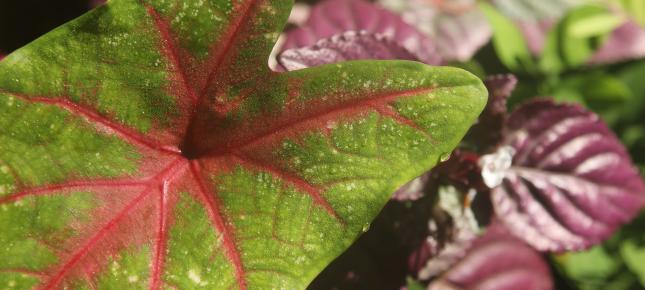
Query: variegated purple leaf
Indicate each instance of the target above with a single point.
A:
(625, 43)
(452, 230)
(350, 45)
(535, 34)
(413, 190)
(497, 261)
(333, 17)
(487, 132)
(561, 180)
(458, 26)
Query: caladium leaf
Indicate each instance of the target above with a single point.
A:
(461, 169)
(497, 261)
(148, 145)
(333, 17)
(458, 27)
(562, 180)
(350, 45)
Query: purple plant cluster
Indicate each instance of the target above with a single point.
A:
(547, 177)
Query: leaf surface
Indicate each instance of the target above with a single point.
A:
(497, 261)
(458, 28)
(334, 17)
(565, 182)
(147, 145)
(350, 45)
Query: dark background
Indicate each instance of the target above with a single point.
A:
(22, 21)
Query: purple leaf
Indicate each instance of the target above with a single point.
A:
(452, 230)
(350, 45)
(497, 261)
(460, 170)
(96, 3)
(535, 34)
(487, 132)
(334, 17)
(413, 190)
(571, 182)
(624, 43)
(458, 27)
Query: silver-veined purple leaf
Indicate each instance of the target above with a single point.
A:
(453, 228)
(497, 261)
(350, 45)
(561, 180)
(487, 133)
(333, 17)
(458, 27)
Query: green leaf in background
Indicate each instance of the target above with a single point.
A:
(634, 256)
(577, 36)
(508, 41)
(597, 90)
(414, 285)
(147, 145)
(594, 269)
(593, 24)
(594, 263)
(636, 9)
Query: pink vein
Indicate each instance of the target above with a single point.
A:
(212, 205)
(172, 52)
(164, 175)
(294, 180)
(24, 271)
(356, 105)
(160, 243)
(69, 186)
(228, 39)
(92, 116)
(389, 112)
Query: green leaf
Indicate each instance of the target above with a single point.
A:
(634, 256)
(414, 285)
(595, 262)
(508, 41)
(577, 36)
(598, 90)
(595, 25)
(147, 145)
(636, 8)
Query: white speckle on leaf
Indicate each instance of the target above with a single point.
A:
(193, 275)
(494, 166)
